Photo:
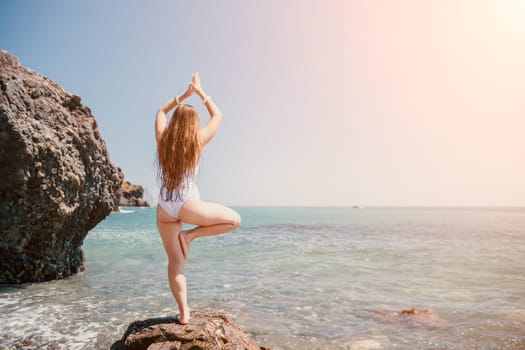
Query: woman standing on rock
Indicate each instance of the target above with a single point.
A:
(179, 146)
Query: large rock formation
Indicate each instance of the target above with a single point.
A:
(132, 195)
(205, 331)
(56, 180)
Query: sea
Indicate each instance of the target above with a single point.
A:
(297, 278)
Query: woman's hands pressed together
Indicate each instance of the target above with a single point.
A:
(196, 85)
(193, 86)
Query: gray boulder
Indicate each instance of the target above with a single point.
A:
(56, 179)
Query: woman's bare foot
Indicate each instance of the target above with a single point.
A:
(184, 319)
(184, 243)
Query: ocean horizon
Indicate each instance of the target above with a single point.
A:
(334, 277)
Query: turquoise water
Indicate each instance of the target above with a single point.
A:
(299, 278)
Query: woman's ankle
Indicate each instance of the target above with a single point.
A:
(184, 315)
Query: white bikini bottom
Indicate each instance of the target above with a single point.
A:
(172, 207)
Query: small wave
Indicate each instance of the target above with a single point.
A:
(124, 211)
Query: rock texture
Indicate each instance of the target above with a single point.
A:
(56, 182)
(205, 331)
(132, 195)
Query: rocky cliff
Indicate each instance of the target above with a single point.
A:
(132, 195)
(206, 331)
(57, 181)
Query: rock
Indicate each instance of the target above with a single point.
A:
(205, 331)
(374, 342)
(57, 181)
(132, 195)
(364, 344)
(411, 318)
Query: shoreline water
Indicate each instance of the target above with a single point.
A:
(297, 278)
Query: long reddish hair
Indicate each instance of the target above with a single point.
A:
(178, 150)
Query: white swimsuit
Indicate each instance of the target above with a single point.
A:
(187, 190)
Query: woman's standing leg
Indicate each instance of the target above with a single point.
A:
(211, 218)
(169, 229)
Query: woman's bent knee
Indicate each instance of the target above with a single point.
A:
(235, 220)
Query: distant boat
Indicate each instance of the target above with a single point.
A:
(124, 211)
(356, 207)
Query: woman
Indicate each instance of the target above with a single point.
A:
(179, 146)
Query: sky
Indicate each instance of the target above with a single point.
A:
(325, 103)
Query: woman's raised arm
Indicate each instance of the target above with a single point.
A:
(208, 131)
(160, 118)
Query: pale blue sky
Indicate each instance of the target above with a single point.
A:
(324, 103)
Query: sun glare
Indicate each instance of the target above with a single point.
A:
(513, 14)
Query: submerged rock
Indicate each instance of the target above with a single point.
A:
(411, 318)
(205, 331)
(132, 195)
(366, 344)
(57, 181)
